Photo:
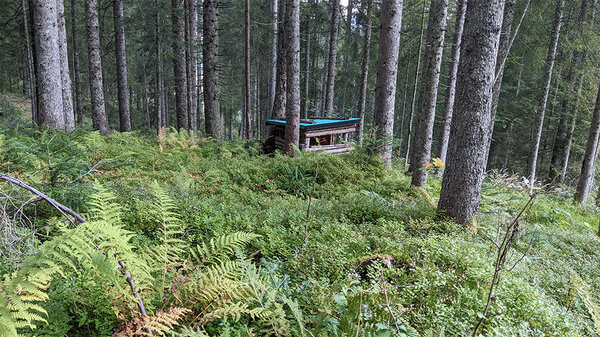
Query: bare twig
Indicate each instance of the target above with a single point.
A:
(502, 250)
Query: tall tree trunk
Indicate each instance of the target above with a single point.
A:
(402, 117)
(49, 80)
(331, 60)
(588, 168)
(307, 61)
(68, 112)
(211, 72)
(459, 24)
(158, 99)
(292, 109)
(273, 54)
(247, 105)
(414, 94)
(365, 73)
(99, 118)
(422, 140)
(76, 68)
(192, 66)
(387, 72)
(349, 37)
(120, 57)
(543, 100)
(279, 102)
(469, 131)
(179, 66)
(31, 66)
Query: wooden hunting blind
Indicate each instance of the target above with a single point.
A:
(329, 135)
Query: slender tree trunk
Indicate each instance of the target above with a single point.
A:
(247, 105)
(567, 152)
(387, 72)
(292, 109)
(273, 54)
(365, 73)
(279, 103)
(31, 67)
(543, 100)
(76, 68)
(422, 141)
(179, 66)
(324, 80)
(192, 72)
(451, 87)
(99, 118)
(307, 61)
(402, 117)
(122, 87)
(331, 61)
(50, 105)
(211, 72)
(588, 168)
(461, 184)
(68, 111)
(158, 100)
(414, 95)
(349, 37)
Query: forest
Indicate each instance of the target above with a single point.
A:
(301, 168)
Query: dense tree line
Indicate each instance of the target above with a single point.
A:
(505, 84)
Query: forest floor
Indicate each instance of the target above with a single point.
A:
(356, 245)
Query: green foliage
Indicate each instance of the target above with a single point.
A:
(184, 210)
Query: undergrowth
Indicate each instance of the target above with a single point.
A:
(341, 245)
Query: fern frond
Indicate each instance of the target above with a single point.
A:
(160, 323)
(220, 246)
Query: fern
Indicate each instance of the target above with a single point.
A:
(218, 247)
(160, 324)
(96, 247)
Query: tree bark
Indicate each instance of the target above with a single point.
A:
(414, 94)
(158, 97)
(451, 87)
(279, 102)
(422, 140)
(179, 66)
(76, 68)
(307, 61)
(50, 104)
(469, 131)
(543, 99)
(120, 56)
(292, 109)
(365, 73)
(31, 66)
(387, 72)
(99, 118)
(588, 168)
(349, 37)
(192, 72)
(68, 112)
(273, 54)
(332, 58)
(211, 72)
(247, 105)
